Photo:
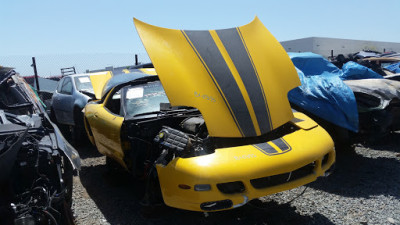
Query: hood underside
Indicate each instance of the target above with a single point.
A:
(238, 78)
(98, 81)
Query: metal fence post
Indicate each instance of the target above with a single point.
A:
(36, 75)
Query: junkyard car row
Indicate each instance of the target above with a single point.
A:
(209, 129)
(36, 162)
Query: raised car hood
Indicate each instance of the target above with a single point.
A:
(238, 78)
(98, 81)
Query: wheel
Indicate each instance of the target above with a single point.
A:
(113, 166)
(78, 134)
(67, 217)
(152, 195)
(89, 132)
(68, 180)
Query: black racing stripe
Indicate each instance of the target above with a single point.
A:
(237, 51)
(212, 78)
(282, 145)
(209, 52)
(266, 148)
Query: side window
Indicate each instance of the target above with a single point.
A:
(113, 104)
(60, 85)
(66, 87)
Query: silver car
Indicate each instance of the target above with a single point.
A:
(70, 97)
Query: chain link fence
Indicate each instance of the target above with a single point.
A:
(49, 67)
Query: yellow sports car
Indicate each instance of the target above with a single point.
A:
(214, 127)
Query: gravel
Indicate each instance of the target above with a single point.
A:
(363, 189)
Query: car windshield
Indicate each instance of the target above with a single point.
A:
(144, 98)
(83, 83)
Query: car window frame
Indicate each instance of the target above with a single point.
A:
(109, 98)
(125, 89)
(59, 86)
(77, 77)
(62, 86)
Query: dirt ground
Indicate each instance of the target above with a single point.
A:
(363, 189)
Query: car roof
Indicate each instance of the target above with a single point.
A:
(85, 74)
(122, 78)
(77, 75)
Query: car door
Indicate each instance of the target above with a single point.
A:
(106, 124)
(63, 102)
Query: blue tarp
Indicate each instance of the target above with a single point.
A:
(355, 71)
(395, 68)
(323, 92)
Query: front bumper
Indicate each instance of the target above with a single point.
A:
(238, 174)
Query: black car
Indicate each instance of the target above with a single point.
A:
(36, 163)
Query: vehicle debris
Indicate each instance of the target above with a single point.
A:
(36, 163)
(355, 98)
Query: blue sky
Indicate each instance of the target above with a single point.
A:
(88, 26)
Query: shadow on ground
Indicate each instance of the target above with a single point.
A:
(361, 176)
(87, 151)
(118, 197)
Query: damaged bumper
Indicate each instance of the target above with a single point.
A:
(232, 176)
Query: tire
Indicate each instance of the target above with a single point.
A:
(78, 134)
(68, 181)
(152, 195)
(88, 132)
(113, 166)
(67, 217)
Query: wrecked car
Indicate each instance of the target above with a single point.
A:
(381, 64)
(378, 103)
(36, 163)
(70, 97)
(214, 128)
(354, 99)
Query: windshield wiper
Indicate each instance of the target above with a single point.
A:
(165, 112)
(149, 113)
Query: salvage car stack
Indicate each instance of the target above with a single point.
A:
(36, 162)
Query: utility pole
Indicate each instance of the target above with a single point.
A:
(36, 75)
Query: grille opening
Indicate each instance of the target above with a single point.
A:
(271, 181)
(231, 187)
(217, 205)
(325, 159)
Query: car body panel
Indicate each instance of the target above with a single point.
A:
(244, 163)
(65, 104)
(238, 78)
(384, 89)
(150, 71)
(98, 80)
(100, 120)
